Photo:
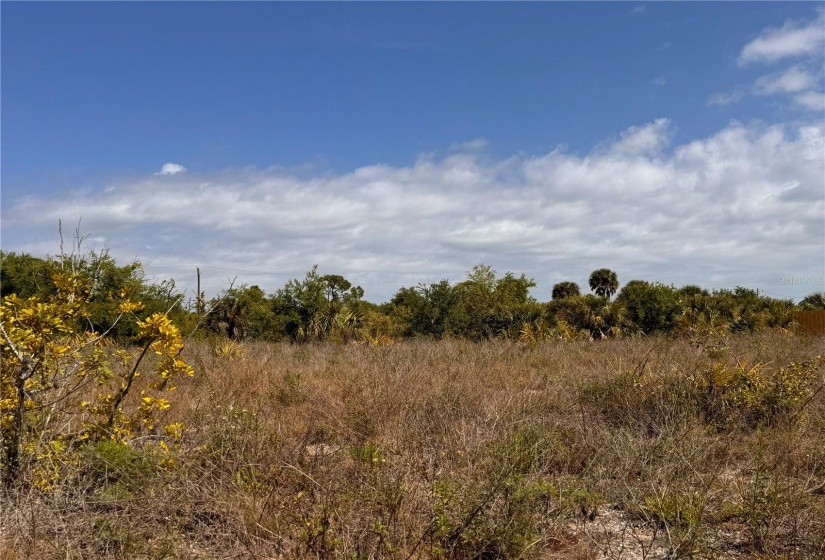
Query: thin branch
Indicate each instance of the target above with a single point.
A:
(125, 390)
(174, 303)
(11, 344)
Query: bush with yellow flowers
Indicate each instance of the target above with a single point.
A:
(65, 384)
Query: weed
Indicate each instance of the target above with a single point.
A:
(452, 449)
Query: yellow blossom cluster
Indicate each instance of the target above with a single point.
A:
(51, 364)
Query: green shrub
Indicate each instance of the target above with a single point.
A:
(648, 402)
(751, 396)
(681, 515)
(291, 392)
(120, 469)
(489, 518)
(653, 307)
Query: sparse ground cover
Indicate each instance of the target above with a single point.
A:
(648, 447)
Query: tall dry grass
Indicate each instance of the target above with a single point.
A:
(451, 450)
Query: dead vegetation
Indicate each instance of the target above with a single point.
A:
(634, 448)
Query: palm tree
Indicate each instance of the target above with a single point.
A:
(815, 300)
(230, 314)
(565, 289)
(604, 282)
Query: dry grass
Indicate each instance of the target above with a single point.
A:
(421, 449)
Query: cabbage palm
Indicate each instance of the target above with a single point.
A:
(604, 282)
(565, 289)
(815, 300)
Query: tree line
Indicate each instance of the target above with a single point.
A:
(483, 306)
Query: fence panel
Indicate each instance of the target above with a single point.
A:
(812, 321)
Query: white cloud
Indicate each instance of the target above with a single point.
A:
(801, 84)
(648, 139)
(725, 97)
(659, 81)
(471, 146)
(738, 207)
(171, 169)
(813, 100)
(640, 9)
(791, 40)
(792, 80)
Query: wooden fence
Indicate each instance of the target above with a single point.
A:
(812, 321)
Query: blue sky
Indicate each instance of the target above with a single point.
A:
(401, 143)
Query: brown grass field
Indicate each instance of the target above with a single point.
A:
(637, 448)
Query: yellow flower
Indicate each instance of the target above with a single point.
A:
(129, 306)
(175, 430)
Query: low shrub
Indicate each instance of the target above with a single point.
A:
(750, 396)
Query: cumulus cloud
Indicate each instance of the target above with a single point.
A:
(738, 207)
(813, 100)
(800, 84)
(793, 39)
(643, 140)
(171, 169)
(792, 80)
